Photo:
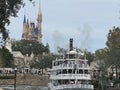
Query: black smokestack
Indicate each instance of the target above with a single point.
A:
(71, 44)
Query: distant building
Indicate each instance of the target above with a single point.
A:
(32, 31)
(18, 58)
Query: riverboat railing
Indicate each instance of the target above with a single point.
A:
(71, 76)
(70, 66)
(73, 86)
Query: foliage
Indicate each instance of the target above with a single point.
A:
(61, 51)
(102, 56)
(89, 56)
(28, 47)
(6, 58)
(110, 54)
(113, 44)
(7, 77)
(43, 61)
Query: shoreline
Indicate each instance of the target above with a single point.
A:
(23, 87)
(28, 79)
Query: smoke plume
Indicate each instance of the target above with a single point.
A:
(85, 36)
(57, 37)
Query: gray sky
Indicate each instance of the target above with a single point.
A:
(86, 21)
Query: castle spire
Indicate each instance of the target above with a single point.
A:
(39, 11)
(39, 24)
(24, 21)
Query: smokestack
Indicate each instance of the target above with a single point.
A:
(71, 44)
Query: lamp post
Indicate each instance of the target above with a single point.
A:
(15, 71)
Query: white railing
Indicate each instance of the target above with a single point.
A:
(73, 86)
(70, 66)
(71, 76)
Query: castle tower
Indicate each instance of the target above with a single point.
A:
(24, 28)
(31, 31)
(39, 23)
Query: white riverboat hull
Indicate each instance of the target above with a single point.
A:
(72, 87)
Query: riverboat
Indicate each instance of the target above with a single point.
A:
(71, 72)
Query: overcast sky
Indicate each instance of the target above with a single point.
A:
(86, 21)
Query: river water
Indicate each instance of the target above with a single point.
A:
(23, 87)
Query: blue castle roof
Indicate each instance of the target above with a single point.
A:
(36, 30)
(24, 21)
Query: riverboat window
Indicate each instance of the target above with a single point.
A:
(65, 63)
(72, 81)
(77, 71)
(70, 63)
(74, 71)
(86, 71)
(72, 56)
(61, 62)
(70, 71)
(58, 72)
(80, 71)
(56, 63)
(64, 71)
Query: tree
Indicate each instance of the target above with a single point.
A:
(110, 54)
(113, 45)
(102, 58)
(6, 58)
(43, 61)
(47, 47)
(61, 51)
(89, 56)
(102, 55)
(28, 47)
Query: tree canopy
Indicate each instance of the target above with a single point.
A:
(28, 47)
(43, 61)
(113, 45)
(6, 58)
(89, 56)
(111, 53)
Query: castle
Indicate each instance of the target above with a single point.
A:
(32, 31)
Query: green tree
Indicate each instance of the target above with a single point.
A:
(61, 51)
(102, 55)
(6, 58)
(28, 47)
(89, 56)
(113, 45)
(43, 61)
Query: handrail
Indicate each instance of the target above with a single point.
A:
(72, 86)
(71, 76)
